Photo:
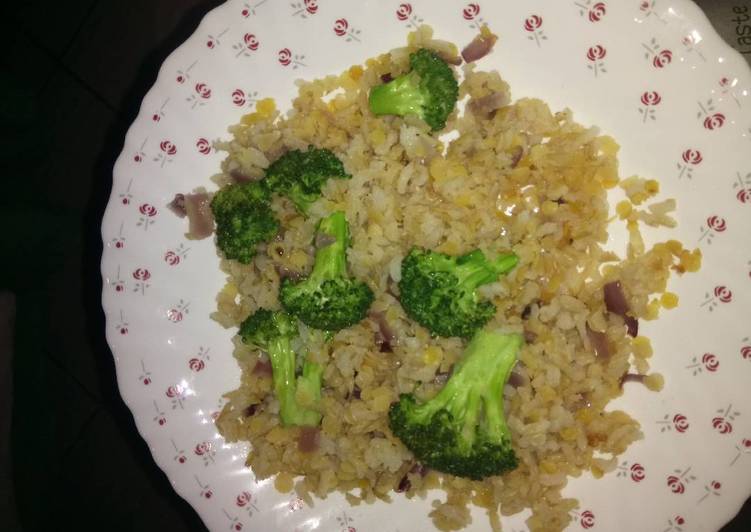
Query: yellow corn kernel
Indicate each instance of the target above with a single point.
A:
(569, 433)
(265, 107)
(642, 347)
(654, 382)
(549, 208)
(609, 181)
(669, 300)
(584, 415)
(652, 187)
(355, 72)
(548, 467)
(623, 209)
(377, 137)
(432, 355)
(653, 310)
(284, 482)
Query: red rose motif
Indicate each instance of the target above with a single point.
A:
(209, 43)
(533, 22)
(596, 12)
(662, 58)
(156, 117)
(710, 361)
(167, 147)
(141, 274)
(245, 13)
(238, 97)
(675, 485)
(724, 82)
(716, 485)
(146, 381)
(723, 294)
(181, 459)
(722, 425)
(596, 52)
(587, 519)
(471, 11)
(404, 11)
(203, 90)
(340, 27)
(119, 244)
(174, 391)
(637, 473)
(162, 421)
(680, 422)
(746, 443)
(284, 56)
(716, 223)
(251, 41)
(679, 520)
(203, 146)
(196, 364)
(311, 6)
(202, 448)
(746, 352)
(714, 121)
(174, 315)
(692, 156)
(172, 258)
(244, 498)
(651, 98)
(744, 195)
(119, 287)
(148, 210)
(180, 79)
(137, 158)
(644, 6)
(208, 494)
(238, 526)
(123, 330)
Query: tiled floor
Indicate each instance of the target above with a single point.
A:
(75, 72)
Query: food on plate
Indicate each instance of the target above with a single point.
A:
(518, 192)
(328, 298)
(439, 291)
(298, 395)
(244, 219)
(462, 430)
(299, 175)
(429, 90)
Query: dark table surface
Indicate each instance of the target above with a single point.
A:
(73, 77)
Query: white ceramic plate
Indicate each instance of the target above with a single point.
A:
(654, 74)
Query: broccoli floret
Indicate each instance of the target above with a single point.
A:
(328, 298)
(439, 291)
(429, 90)
(274, 332)
(244, 219)
(463, 430)
(300, 175)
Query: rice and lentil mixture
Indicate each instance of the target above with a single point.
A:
(519, 178)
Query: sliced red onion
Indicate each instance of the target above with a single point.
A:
(385, 337)
(200, 216)
(480, 46)
(177, 205)
(615, 302)
(632, 377)
(488, 104)
(262, 368)
(308, 440)
(599, 341)
(241, 177)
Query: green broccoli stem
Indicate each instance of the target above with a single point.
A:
(400, 96)
(331, 259)
(283, 362)
(475, 270)
(309, 382)
(478, 381)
